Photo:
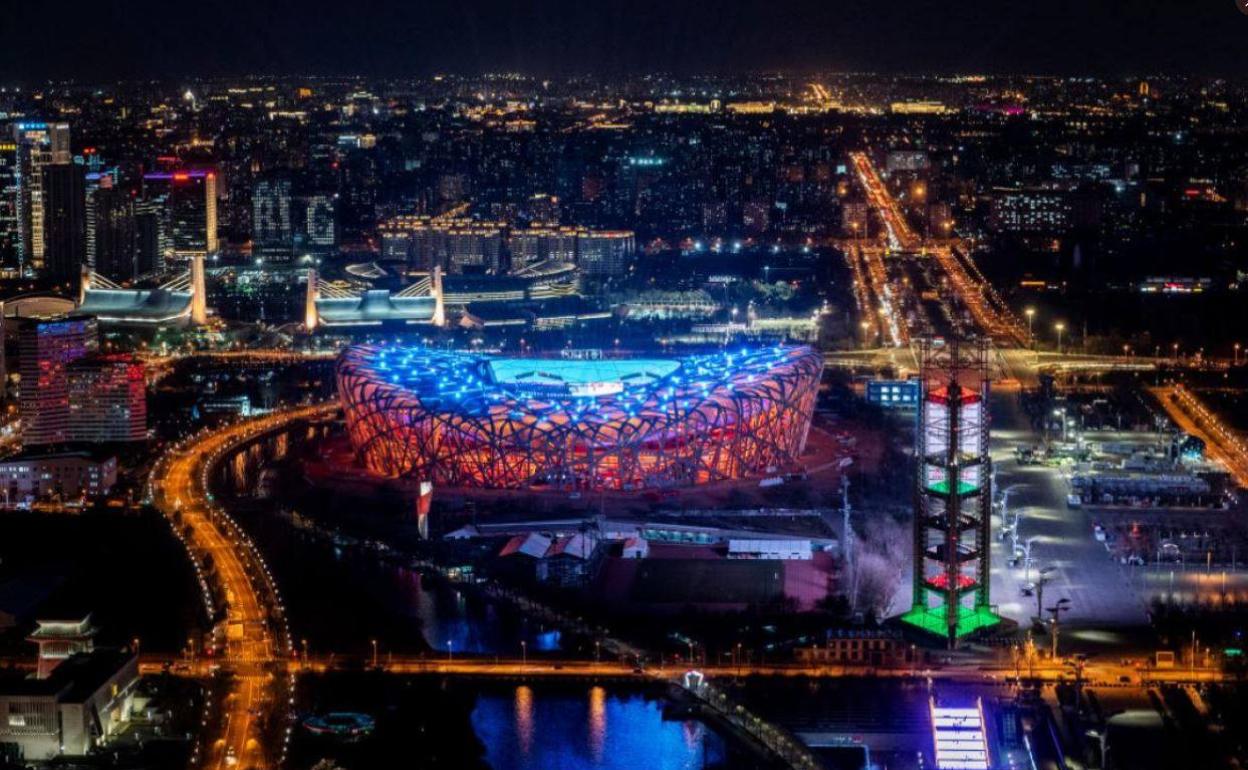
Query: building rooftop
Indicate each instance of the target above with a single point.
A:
(136, 305)
(76, 678)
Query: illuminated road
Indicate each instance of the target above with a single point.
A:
(990, 313)
(1104, 671)
(255, 633)
(1191, 416)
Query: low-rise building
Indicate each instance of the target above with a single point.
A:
(67, 475)
(85, 701)
(860, 647)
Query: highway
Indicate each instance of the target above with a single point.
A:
(254, 632)
(988, 310)
(1191, 416)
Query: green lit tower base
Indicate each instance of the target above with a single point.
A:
(953, 503)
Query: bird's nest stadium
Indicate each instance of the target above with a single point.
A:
(467, 420)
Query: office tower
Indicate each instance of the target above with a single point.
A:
(952, 520)
(37, 144)
(317, 231)
(272, 233)
(605, 252)
(64, 220)
(151, 233)
(107, 399)
(191, 202)
(9, 196)
(46, 349)
(112, 231)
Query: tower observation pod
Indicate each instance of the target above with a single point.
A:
(953, 499)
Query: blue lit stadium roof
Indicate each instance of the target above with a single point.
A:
(471, 384)
(580, 377)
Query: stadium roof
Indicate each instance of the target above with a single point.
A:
(375, 307)
(136, 305)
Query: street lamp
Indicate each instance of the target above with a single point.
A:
(1236, 354)
(1030, 313)
(1027, 557)
(1060, 327)
(374, 641)
(1063, 605)
(524, 654)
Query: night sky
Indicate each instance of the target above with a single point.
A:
(137, 38)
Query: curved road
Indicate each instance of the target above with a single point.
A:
(250, 600)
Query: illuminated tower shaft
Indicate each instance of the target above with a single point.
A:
(953, 501)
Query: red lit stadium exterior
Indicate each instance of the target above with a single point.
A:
(453, 419)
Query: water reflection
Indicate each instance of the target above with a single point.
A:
(597, 722)
(379, 598)
(587, 728)
(524, 719)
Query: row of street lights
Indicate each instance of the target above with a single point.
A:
(1009, 528)
(1059, 327)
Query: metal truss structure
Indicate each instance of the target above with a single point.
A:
(953, 498)
(466, 420)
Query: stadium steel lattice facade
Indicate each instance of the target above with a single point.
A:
(466, 420)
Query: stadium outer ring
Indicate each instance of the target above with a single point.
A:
(750, 421)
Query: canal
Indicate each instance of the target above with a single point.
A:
(342, 591)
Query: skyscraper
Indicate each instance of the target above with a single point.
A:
(190, 198)
(107, 399)
(151, 233)
(112, 231)
(37, 144)
(317, 232)
(47, 348)
(272, 233)
(9, 196)
(64, 220)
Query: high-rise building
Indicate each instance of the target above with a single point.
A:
(151, 231)
(190, 198)
(46, 349)
(605, 252)
(112, 231)
(70, 393)
(37, 144)
(9, 197)
(458, 245)
(538, 244)
(64, 220)
(317, 230)
(272, 232)
(107, 399)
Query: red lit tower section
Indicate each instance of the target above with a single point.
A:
(954, 493)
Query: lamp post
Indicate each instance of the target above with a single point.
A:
(1027, 557)
(1031, 314)
(1063, 605)
(1236, 354)
(1060, 327)
(524, 654)
(1044, 579)
(374, 641)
